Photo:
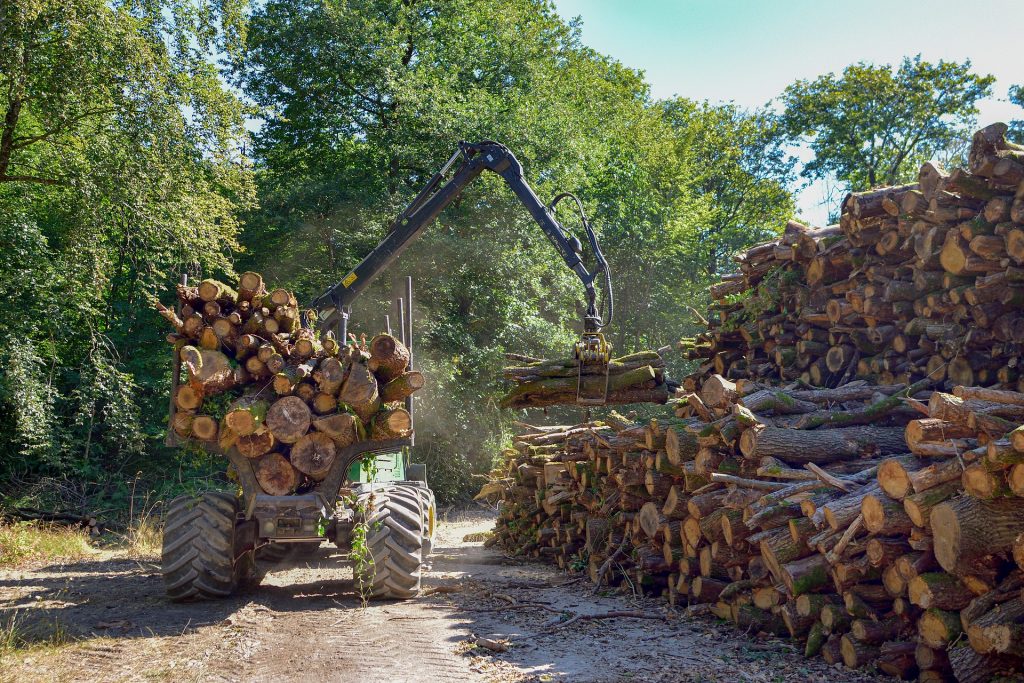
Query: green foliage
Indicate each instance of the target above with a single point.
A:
(119, 169)
(737, 168)
(1016, 132)
(31, 542)
(363, 567)
(874, 125)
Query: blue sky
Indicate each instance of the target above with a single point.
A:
(748, 51)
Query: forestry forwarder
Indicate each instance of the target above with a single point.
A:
(214, 542)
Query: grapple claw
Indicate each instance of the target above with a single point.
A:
(593, 353)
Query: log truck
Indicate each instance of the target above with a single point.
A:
(217, 541)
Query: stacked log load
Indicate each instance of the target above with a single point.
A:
(846, 468)
(917, 280)
(253, 378)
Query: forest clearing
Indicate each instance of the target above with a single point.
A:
(448, 340)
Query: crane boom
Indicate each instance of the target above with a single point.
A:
(333, 305)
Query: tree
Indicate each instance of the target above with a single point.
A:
(119, 169)
(875, 125)
(1016, 132)
(738, 170)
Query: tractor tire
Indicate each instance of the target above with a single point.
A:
(391, 566)
(198, 557)
(429, 521)
(418, 497)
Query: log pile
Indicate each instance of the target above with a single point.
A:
(252, 377)
(875, 525)
(846, 466)
(636, 378)
(918, 280)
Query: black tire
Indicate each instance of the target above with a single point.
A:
(198, 557)
(429, 520)
(419, 499)
(393, 561)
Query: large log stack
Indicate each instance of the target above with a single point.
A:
(876, 525)
(916, 280)
(250, 376)
(846, 468)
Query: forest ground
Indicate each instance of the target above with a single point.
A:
(104, 618)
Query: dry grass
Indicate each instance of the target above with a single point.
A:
(25, 543)
(15, 639)
(145, 534)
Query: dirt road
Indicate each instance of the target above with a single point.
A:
(306, 623)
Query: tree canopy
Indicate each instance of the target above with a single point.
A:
(875, 125)
(119, 168)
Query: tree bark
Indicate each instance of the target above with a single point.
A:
(967, 530)
(821, 446)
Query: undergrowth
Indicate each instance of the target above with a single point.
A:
(24, 543)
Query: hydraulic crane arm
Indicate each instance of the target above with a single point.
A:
(333, 305)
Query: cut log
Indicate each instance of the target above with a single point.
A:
(680, 445)
(187, 398)
(209, 372)
(875, 632)
(970, 666)
(820, 446)
(329, 375)
(919, 505)
(402, 386)
(313, 455)
(275, 474)
(856, 654)
(341, 427)
(389, 357)
(246, 416)
(359, 391)
(204, 428)
(288, 419)
(391, 423)
(805, 575)
(256, 444)
(250, 286)
(885, 516)
(938, 590)
(634, 386)
(938, 628)
(1000, 630)
(967, 530)
(215, 290)
(898, 659)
